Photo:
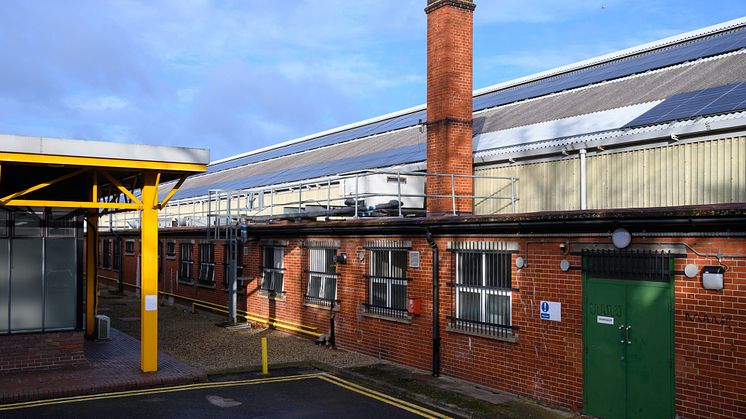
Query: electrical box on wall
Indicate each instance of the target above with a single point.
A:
(414, 306)
(712, 277)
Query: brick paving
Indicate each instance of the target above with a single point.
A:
(113, 365)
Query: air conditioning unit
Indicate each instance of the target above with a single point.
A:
(381, 188)
(102, 327)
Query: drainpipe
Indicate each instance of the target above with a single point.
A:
(436, 304)
(583, 181)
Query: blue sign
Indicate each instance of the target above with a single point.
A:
(550, 310)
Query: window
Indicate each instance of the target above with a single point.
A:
(322, 276)
(170, 249)
(207, 263)
(106, 254)
(186, 262)
(387, 283)
(273, 269)
(238, 251)
(483, 292)
(129, 247)
(117, 254)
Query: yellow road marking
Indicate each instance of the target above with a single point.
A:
(171, 389)
(410, 407)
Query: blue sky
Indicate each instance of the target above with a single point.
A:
(239, 75)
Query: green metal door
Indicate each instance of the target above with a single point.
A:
(628, 348)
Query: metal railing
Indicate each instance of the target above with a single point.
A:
(326, 196)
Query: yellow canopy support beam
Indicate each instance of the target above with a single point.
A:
(172, 192)
(101, 162)
(120, 187)
(71, 204)
(41, 186)
(149, 274)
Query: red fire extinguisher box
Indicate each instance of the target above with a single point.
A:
(414, 306)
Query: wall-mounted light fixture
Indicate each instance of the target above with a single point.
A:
(691, 270)
(621, 238)
(712, 277)
(519, 262)
(565, 265)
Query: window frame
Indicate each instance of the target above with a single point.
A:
(274, 271)
(390, 280)
(206, 264)
(326, 276)
(106, 254)
(487, 286)
(127, 245)
(170, 249)
(116, 255)
(186, 258)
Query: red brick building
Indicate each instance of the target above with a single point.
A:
(587, 223)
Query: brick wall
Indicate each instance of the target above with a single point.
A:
(41, 351)
(449, 102)
(545, 362)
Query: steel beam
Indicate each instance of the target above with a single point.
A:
(149, 274)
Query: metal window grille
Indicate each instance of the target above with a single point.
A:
(483, 293)
(322, 276)
(186, 262)
(117, 254)
(207, 263)
(387, 282)
(273, 269)
(634, 265)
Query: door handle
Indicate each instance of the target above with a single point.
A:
(626, 333)
(621, 330)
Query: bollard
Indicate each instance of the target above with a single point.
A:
(265, 367)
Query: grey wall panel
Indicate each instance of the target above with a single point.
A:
(26, 294)
(4, 284)
(60, 284)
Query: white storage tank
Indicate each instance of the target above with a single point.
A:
(381, 188)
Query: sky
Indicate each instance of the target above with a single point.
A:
(234, 76)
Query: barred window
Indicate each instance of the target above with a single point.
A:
(116, 260)
(186, 262)
(273, 269)
(207, 263)
(322, 276)
(387, 282)
(483, 292)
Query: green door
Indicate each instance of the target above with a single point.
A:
(628, 348)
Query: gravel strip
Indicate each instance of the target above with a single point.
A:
(198, 340)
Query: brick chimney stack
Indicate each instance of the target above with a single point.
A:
(449, 103)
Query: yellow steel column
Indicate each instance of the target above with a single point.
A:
(149, 274)
(91, 256)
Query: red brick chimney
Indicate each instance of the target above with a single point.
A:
(449, 97)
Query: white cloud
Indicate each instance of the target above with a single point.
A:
(96, 103)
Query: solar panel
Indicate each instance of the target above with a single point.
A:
(385, 158)
(391, 124)
(720, 99)
(675, 54)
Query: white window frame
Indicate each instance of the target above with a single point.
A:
(483, 291)
(278, 267)
(315, 262)
(390, 280)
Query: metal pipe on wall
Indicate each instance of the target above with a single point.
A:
(436, 303)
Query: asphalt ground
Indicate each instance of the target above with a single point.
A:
(312, 395)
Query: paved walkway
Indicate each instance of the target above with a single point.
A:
(114, 365)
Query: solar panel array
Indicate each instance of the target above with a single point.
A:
(386, 158)
(380, 127)
(721, 99)
(675, 54)
(708, 46)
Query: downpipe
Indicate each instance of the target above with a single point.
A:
(436, 303)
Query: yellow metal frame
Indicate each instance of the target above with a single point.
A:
(148, 204)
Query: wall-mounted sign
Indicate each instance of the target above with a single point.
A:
(550, 311)
(151, 303)
(605, 320)
(414, 259)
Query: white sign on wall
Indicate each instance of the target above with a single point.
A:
(151, 303)
(550, 311)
